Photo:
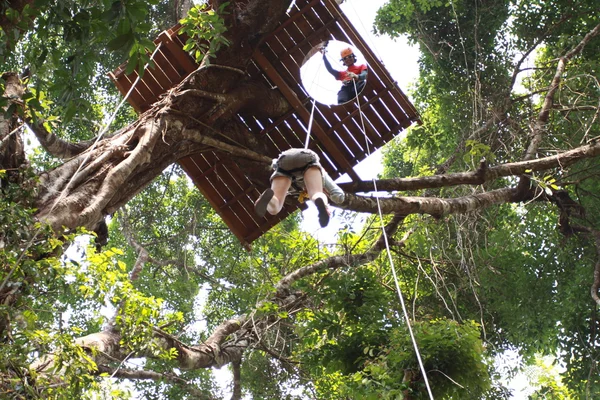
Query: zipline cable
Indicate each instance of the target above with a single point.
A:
(60, 197)
(389, 254)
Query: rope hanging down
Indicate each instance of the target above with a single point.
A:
(310, 121)
(312, 112)
(389, 254)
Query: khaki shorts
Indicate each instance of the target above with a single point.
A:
(293, 163)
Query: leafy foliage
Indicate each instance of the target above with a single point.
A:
(205, 27)
(508, 268)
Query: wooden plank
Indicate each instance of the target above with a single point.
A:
(182, 61)
(295, 132)
(171, 74)
(381, 126)
(286, 69)
(160, 77)
(153, 85)
(269, 221)
(318, 15)
(293, 17)
(276, 140)
(279, 140)
(354, 113)
(225, 183)
(193, 166)
(123, 85)
(378, 124)
(313, 39)
(232, 184)
(392, 107)
(136, 98)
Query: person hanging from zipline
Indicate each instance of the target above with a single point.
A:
(299, 169)
(354, 78)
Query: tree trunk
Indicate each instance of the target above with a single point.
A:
(12, 152)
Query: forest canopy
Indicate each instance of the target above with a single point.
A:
(119, 280)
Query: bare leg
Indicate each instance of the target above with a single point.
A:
(280, 186)
(313, 180)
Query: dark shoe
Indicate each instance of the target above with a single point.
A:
(323, 212)
(260, 207)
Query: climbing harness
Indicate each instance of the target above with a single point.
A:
(389, 254)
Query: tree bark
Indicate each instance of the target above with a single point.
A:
(12, 151)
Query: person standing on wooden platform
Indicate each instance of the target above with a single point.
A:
(354, 78)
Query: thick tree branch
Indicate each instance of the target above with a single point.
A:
(12, 150)
(124, 373)
(237, 381)
(433, 206)
(58, 147)
(482, 175)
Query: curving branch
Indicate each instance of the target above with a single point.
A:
(125, 373)
(437, 207)
(539, 41)
(143, 255)
(283, 286)
(61, 148)
(482, 175)
(596, 283)
(596, 276)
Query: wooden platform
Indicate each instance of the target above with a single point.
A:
(336, 131)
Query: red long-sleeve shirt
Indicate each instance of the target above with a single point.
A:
(356, 69)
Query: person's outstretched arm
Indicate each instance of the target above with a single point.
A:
(336, 74)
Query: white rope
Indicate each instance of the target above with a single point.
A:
(61, 196)
(310, 120)
(312, 112)
(389, 254)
